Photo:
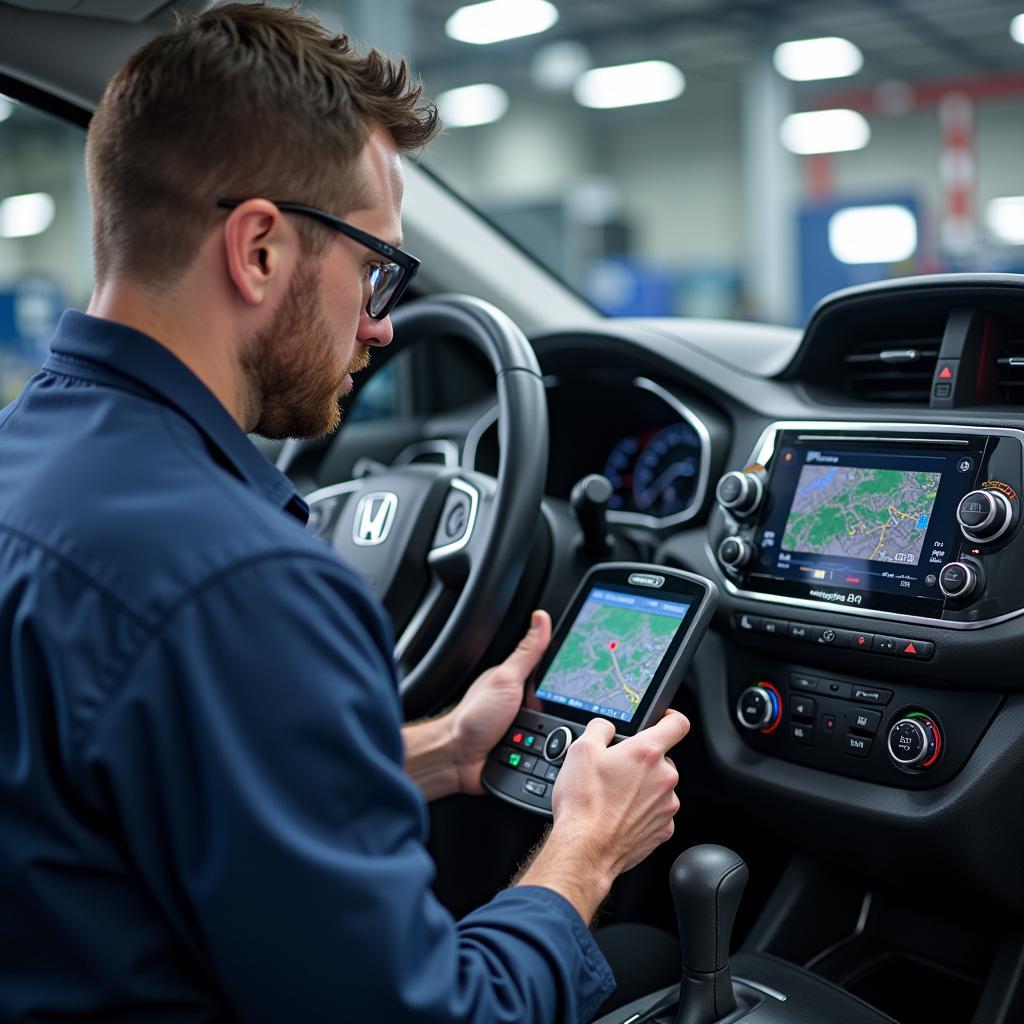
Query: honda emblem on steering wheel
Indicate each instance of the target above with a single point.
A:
(374, 515)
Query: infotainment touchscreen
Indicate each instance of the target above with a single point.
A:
(869, 526)
(611, 653)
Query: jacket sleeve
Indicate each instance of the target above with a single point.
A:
(252, 759)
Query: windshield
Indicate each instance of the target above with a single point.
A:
(690, 158)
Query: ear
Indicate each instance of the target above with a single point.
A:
(260, 250)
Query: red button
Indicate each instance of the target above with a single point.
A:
(945, 373)
(517, 737)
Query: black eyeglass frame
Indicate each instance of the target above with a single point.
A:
(405, 261)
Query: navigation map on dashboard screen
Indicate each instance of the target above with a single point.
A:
(881, 515)
(612, 652)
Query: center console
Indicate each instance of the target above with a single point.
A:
(860, 547)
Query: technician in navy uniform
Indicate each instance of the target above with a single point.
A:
(209, 807)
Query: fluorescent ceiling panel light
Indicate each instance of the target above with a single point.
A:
(825, 131)
(808, 60)
(1017, 29)
(1005, 218)
(472, 105)
(6, 108)
(627, 85)
(21, 216)
(498, 20)
(872, 234)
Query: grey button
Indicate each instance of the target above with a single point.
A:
(858, 746)
(535, 786)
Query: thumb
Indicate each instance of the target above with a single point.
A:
(524, 658)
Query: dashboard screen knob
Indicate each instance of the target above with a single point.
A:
(914, 742)
(740, 493)
(984, 515)
(958, 580)
(757, 708)
(734, 552)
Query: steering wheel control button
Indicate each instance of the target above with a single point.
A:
(857, 746)
(958, 580)
(455, 518)
(734, 552)
(870, 695)
(557, 744)
(802, 707)
(739, 493)
(535, 786)
(984, 515)
(758, 708)
(861, 641)
(802, 733)
(863, 720)
(798, 681)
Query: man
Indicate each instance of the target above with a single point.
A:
(208, 804)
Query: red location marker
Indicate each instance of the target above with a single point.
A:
(613, 645)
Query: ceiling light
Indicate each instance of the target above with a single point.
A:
(626, 85)
(872, 234)
(1017, 29)
(498, 20)
(1005, 218)
(825, 131)
(21, 216)
(557, 65)
(472, 105)
(806, 60)
(6, 108)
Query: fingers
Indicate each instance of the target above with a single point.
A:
(599, 730)
(666, 733)
(524, 658)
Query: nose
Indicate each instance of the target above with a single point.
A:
(376, 333)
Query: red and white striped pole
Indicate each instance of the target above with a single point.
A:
(958, 173)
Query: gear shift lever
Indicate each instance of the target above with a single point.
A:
(707, 883)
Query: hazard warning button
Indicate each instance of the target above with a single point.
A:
(944, 381)
(917, 650)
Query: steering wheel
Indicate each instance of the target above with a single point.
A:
(443, 548)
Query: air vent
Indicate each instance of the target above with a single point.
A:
(897, 372)
(1010, 373)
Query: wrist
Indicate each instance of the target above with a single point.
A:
(430, 761)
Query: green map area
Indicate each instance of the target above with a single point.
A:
(877, 514)
(609, 656)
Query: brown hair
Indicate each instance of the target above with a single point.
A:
(241, 100)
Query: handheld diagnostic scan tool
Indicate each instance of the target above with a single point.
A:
(619, 652)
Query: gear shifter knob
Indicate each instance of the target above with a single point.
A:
(589, 500)
(707, 883)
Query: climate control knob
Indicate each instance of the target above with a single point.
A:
(740, 492)
(984, 515)
(914, 741)
(734, 552)
(758, 708)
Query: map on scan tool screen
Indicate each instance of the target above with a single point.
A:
(878, 514)
(612, 652)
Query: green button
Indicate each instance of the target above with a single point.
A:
(514, 759)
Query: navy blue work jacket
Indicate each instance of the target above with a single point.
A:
(203, 809)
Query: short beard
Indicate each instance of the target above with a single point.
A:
(291, 367)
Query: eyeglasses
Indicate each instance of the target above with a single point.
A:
(388, 281)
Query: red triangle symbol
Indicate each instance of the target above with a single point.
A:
(945, 373)
(910, 649)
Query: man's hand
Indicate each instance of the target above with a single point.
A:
(446, 755)
(612, 806)
(483, 716)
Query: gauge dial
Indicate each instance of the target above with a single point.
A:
(619, 471)
(666, 472)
